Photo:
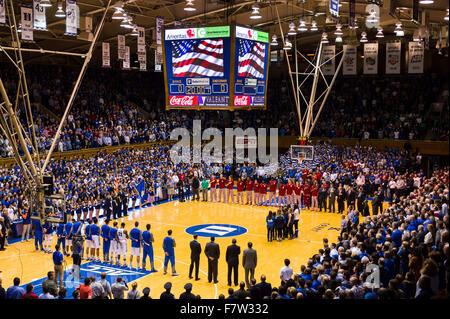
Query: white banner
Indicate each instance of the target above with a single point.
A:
(328, 52)
(141, 40)
(2, 12)
(39, 20)
(72, 18)
(106, 57)
(27, 23)
(415, 57)
(158, 52)
(393, 57)
(126, 61)
(246, 142)
(349, 66)
(370, 58)
(121, 47)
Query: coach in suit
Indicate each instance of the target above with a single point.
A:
(212, 252)
(107, 208)
(232, 259)
(249, 261)
(265, 287)
(196, 250)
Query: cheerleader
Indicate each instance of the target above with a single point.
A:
(256, 192)
(270, 226)
(151, 194)
(297, 193)
(230, 184)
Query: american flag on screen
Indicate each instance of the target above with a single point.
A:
(197, 58)
(251, 59)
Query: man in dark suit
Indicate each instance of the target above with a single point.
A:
(196, 250)
(254, 291)
(249, 261)
(108, 206)
(264, 287)
(116, 206)
(212, 252)
(232, 259)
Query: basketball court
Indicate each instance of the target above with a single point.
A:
(224, 221)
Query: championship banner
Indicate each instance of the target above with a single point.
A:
(39, 20)
(349, 66)
(415, 57)
(106, 57)
(121, 47)
(72, 19)
(26, 14)
(328, 65)
(393, 57)
(2, 12)
(158, 52)
(351, 13)
(370, 58)
(141, 40)
(126, 61)
(334, 9)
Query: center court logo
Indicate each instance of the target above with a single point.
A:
(216, 230)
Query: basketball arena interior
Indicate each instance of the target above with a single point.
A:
(224, 149)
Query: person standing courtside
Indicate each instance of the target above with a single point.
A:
(196, 250)
(249, 262)
(212, 252)
(168, 247)
(232, 259)
(147, 247)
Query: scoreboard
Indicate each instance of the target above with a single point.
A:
(250, 64)
(215, 68)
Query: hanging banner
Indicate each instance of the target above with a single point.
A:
(158, 53)
(142, 58)
(27, 23)
(334, 8)
(106, 57)
(2, 12)
(393, 57)
(126, 61)
(327, 62)
(351, 13)
(72, 19)
(141, 40)
(121, 47)
(415, 57)
(274, 56)
(370, 58)
(350, 60)
(415, 11)
(393, 6)
(39, 20)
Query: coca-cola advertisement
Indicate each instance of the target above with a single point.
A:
(183, 100)
(242, 100)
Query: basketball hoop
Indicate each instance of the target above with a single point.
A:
(300, 160)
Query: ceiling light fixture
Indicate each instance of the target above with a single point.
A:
(45, 3)
(292, 29)
(314, 26)
(398, 30)
(274, 41)
(189, 6)
(380, 33)
(60, 12)
(255, 13)
(338, 29)
(324, 38)
(302, 27)
(363, 37)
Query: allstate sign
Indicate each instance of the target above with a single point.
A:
(216, 230)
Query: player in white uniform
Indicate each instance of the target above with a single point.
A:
(122, 237)
(113, 241)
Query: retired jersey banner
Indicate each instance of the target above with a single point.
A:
(370, 58)
(141, 40)
(39, 20)
(121, 47)
(351, 13)
(106, 57)
(126, 61)
(159, 51)
(2, 11)
(72, 19)
(393, 57)
(415, 57)
(328, 66)
(26, 14)
(349, 65)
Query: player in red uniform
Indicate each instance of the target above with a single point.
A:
(290, 193)
(213, 192)
(306, 195)
(263, 193)
(256, 192)
(230, 184)
(272, 191)
(222, 182)
(248, 190)
(298, 194)
(314, 193)
(240, 192)
(282, 194)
